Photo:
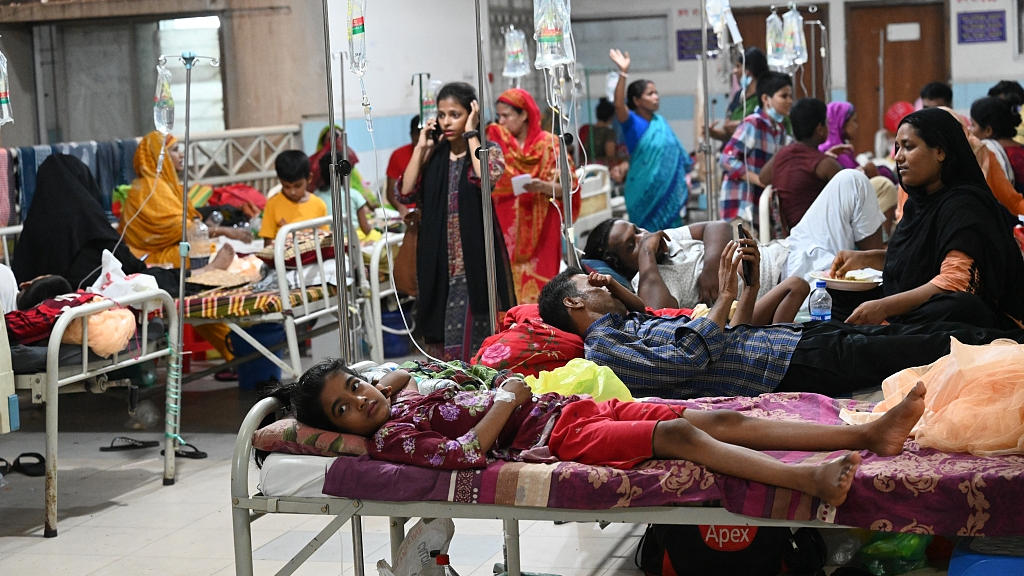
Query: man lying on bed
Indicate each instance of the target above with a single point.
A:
(453, 429)
(683, 358)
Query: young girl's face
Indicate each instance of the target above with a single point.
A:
(852, 127)
(451, 117)
(357, 407)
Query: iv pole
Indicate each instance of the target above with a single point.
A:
(483, 153)
(419, 76)
(705, 147)
(341, 206)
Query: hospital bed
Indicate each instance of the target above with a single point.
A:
(595, 200)
(921, 491)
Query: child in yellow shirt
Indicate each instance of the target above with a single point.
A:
(294, 203)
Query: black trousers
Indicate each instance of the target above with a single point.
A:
(837, 359)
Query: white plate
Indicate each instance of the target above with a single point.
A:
(846, 285)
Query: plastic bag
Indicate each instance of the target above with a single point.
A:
(516, 54)
(5, 95)
(114, 284)
(776, 42)
(357, 36)
(414, 553)
(163, 102)
(796, 43)
(551, 22)
(581, 376)
(889, 554)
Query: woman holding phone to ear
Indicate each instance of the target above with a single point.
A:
(442, 179)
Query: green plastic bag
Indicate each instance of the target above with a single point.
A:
(581, 376)
(889, 554)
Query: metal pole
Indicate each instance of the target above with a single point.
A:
(340, 205)
(419, 76)
(709, 179)
(814, 65)
(355, 254)
(881, 78)
(485, 177)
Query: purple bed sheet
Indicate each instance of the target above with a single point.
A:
(922, 490)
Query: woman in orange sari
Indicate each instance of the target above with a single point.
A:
(531, 225)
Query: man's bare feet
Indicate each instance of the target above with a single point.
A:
(832, 481)
(886, 435)
(225, 256)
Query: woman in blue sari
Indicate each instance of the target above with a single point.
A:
(656, 183)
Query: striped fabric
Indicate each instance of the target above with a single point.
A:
(242, 302)
(676, 357)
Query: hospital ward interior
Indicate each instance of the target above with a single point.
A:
(511, 287)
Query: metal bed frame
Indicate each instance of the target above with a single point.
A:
(248, 506)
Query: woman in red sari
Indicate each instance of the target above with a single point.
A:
(531, 225)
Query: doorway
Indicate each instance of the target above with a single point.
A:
(809, 79)
(914, 39)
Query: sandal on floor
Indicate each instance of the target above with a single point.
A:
(122, 443)
(229, 375)
(30, 468)
(5, 466)
(188, 451)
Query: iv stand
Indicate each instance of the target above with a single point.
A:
(341, 206)
(483, 153)
(173, 421)
(705, 147)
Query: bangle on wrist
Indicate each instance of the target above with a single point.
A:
(471, 134)
(623, 74)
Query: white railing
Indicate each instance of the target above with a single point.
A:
(243, 156)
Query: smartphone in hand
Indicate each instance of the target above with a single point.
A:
(747, 266)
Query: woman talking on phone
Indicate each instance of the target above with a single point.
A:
(442, 179)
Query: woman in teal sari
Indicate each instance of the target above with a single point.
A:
(656, 183)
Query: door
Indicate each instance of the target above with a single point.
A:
(809, 79)
(916, 52)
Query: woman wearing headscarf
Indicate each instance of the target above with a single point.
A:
(842, 129)
(151, 216)
(656, 189)
(452, 304)
(66, 231)
(946, 261)
(531, 225)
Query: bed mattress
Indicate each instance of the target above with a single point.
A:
(242, 302)
(921, 490)
(284, 475)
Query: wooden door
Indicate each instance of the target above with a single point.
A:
(808, 80)
(908, 63)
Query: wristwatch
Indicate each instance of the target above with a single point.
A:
(504, 396)
(471, 134)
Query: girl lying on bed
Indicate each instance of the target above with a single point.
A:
(453, 429)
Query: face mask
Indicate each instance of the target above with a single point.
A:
(744, 82)
(775, 115)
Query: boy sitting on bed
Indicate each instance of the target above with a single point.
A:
(453, 429)
(294, 203)
(683, 358)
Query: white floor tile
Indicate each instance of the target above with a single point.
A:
(181, 566)
(54, 565)
(99, 540)
(169, 515)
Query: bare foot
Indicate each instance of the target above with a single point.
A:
(225, 256)
(832, 481)
(887, 434)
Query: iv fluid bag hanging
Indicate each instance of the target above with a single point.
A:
(163, 102)
(428, 106)
(357, 36)
(5, 96)
(551, 25)
(776, 43)
(516, 54)
(796, 43)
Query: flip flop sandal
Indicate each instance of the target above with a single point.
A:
(5, 466)
(30, 468)
(122, 443)
(229, 375)
(188, 451)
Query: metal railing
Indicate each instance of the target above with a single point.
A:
(244, 156)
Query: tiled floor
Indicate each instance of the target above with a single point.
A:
(117, 519)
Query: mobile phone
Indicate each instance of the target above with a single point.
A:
(747, 266)
(437, 133)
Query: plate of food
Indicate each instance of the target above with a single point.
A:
(855, 280)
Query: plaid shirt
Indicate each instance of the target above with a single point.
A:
(756, 140)
(683, 358)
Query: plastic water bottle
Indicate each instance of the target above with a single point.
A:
(163, 102)
(820, 302)
(199, 241)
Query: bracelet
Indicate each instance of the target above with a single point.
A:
(623, 74)
(470, 134)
